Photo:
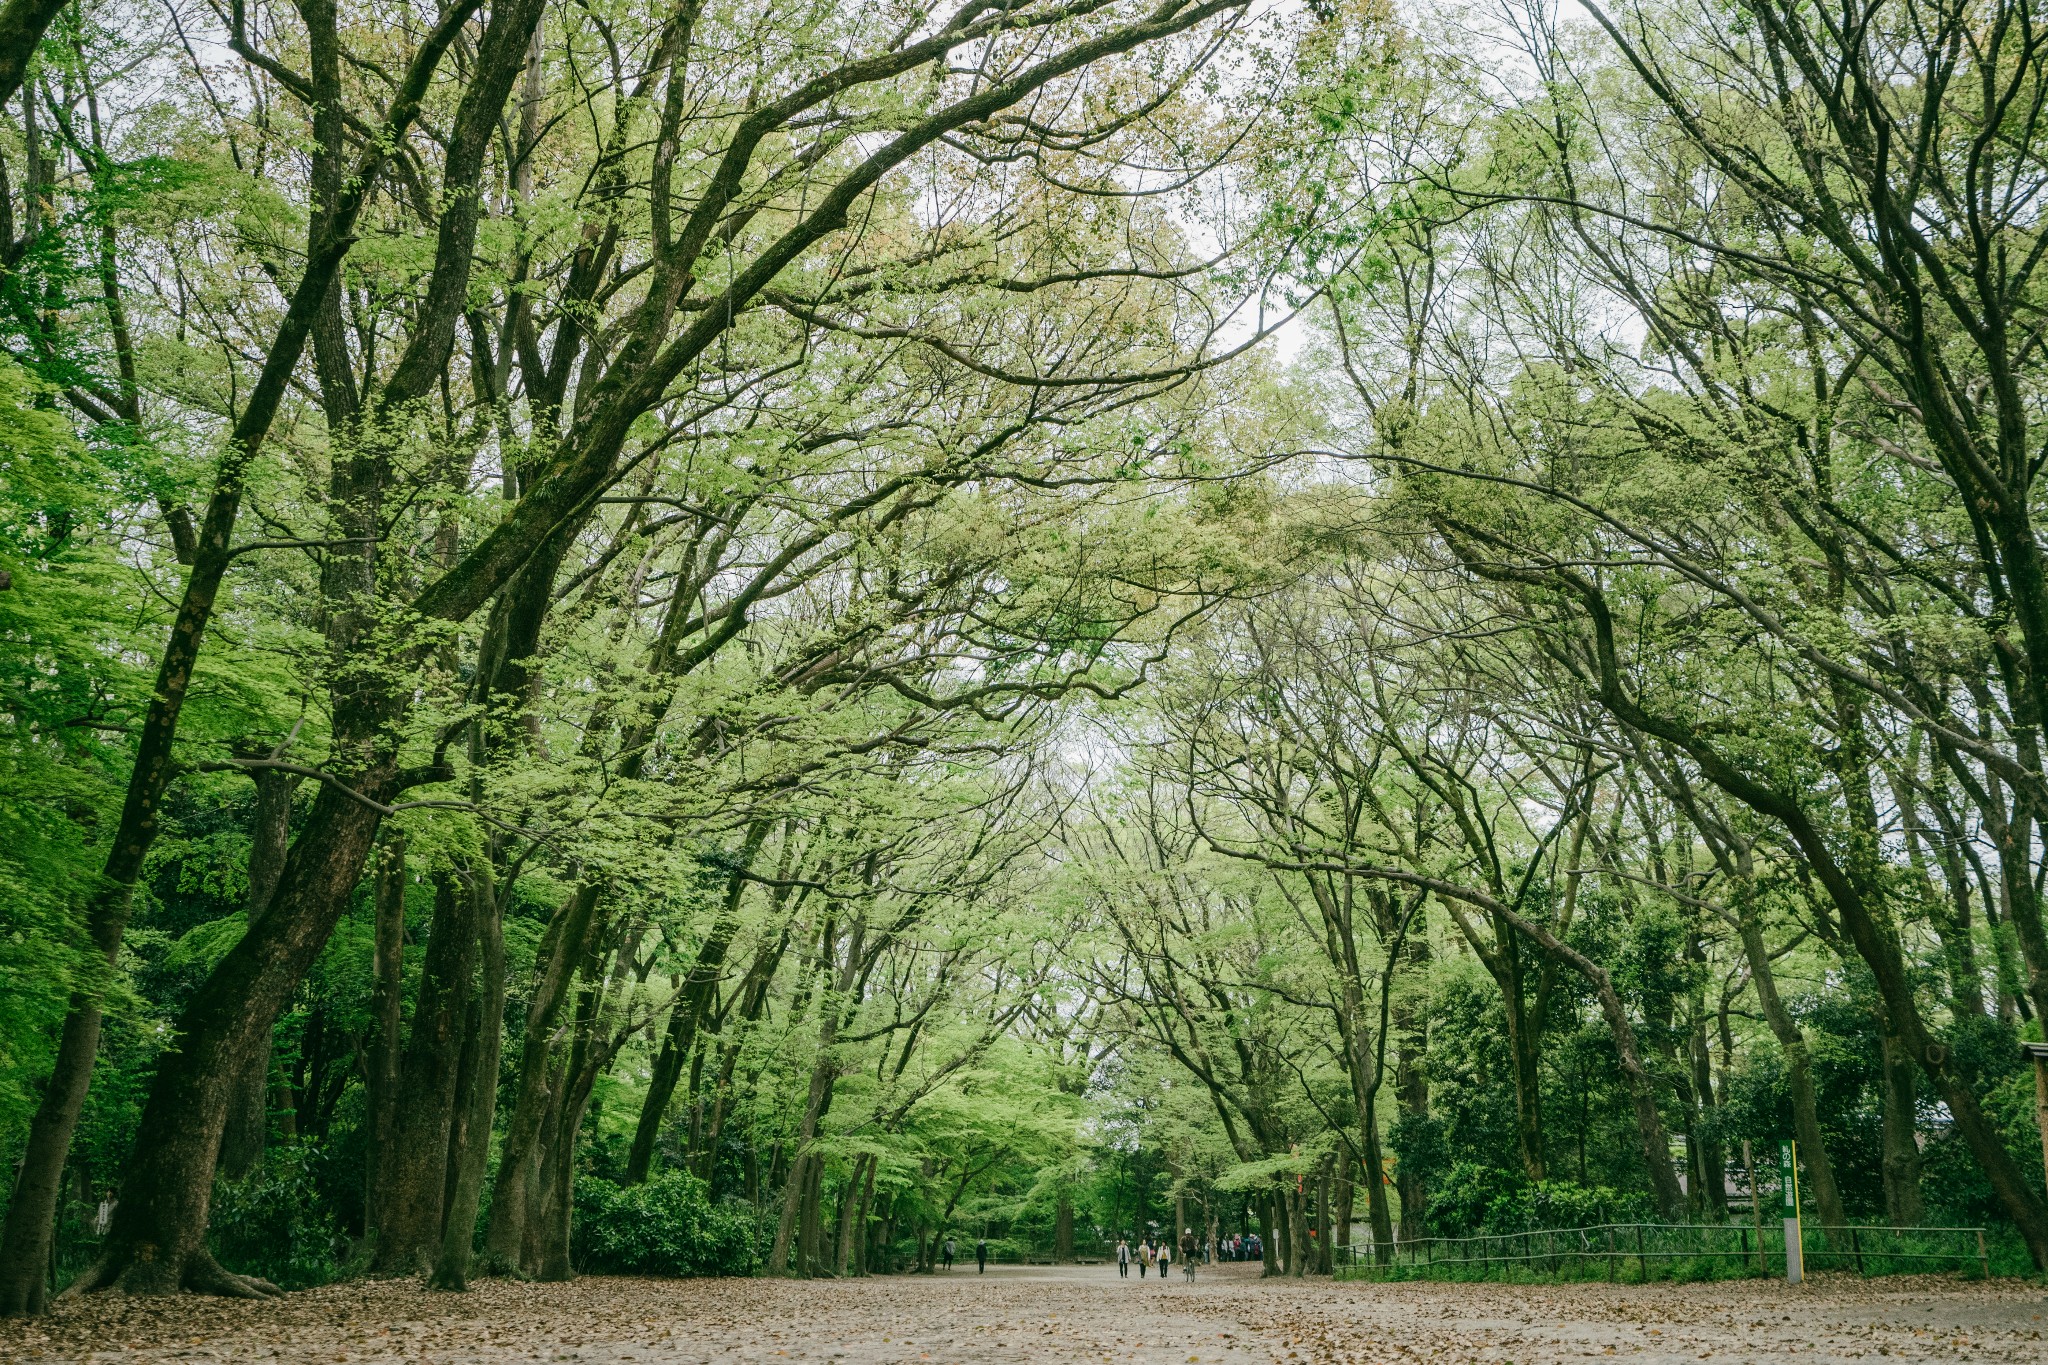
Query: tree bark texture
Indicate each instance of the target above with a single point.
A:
(477, 1094)
(387, 1021)
(269, 841)
(409, 1231)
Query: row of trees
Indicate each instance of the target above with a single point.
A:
(666, 462)
(728, 597)
(1659, 638)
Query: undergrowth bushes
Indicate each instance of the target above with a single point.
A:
(667, 1226)
(275, 1224)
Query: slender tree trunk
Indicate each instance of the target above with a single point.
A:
(753, 995)
(1820, 1171)
(1641, 1088)
(381, 1057)
(564, 945)
(807, 1164)
(792, 1207)
(1347, 1204)
(1411, 1089)
(1297, 1229)
(1713, 1160)
(1376, 1196)
(470, 1150)
(861, 1224)
(1525, 1051)
(667, 1072)
(1323, 1219)
(269, 841)
(1271, 1223)
(693, 1002)
(849, 1213)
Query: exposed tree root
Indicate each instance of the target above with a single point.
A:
(138, 1272)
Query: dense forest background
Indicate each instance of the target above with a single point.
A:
(703, 638)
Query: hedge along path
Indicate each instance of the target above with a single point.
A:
(1081, 1314)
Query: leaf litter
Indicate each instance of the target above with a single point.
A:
(1040, 1317)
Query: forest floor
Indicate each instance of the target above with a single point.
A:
(1073, 1316)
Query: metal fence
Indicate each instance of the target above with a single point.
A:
(1646, 1251)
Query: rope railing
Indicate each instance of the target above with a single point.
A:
(1640, 1251)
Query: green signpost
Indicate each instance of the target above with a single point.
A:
(1788, 1181)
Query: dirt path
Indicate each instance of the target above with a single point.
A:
(1086, 1316)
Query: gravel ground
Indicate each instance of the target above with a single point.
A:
(1078, 1315)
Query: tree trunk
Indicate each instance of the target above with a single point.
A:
(1063, 1230)
(1271, 1224)
(1324, 1211)
(811, 1234)
(1297, 1229)
(850, 1211)
(753, 995)
(547, 1242)
(158, 1240)
(861, 1225)
(1347, 1205)
(1641, 1089)
(1411, 1094)
(1902, 1202)
(1820, 1172)
(478, 1107)
(1712, 1160)
(381, 1057)
(699, 992)
(269, 841)
(417, 1165)
(1525, 1050)
(27, 1246)
(792, 1208)
(1382, 1217)
(563, 947)
(558, 1184)
(662, 1080)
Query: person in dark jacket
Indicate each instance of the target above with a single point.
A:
(981, 1257)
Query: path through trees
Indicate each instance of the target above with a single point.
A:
(1055, 1317)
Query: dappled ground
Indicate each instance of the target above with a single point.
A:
(1072, 1315)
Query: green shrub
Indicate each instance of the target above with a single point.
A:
(667, 1226)
(1469, 1199)
(1565, 1204)
(275, 1224)
(1465, 1198)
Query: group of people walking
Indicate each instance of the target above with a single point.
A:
(980, 1255)
(1151, 1253)
(1155, 1253)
